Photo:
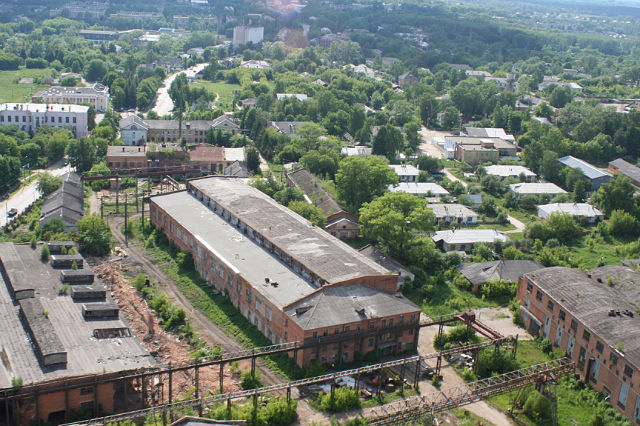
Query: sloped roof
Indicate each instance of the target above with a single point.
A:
(131, 119)
(451, 210)
(626, 169)
(469, 236)
(590, 301)
(418, 188)
(587, 169)
(510, 270)
(536, 188)
(332, 305)
(574, 209)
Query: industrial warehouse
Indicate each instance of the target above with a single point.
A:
(58, 327)
(594, 318)
(310, 287)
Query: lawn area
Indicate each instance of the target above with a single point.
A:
(224, 91)
(11, 91)
(589, 257)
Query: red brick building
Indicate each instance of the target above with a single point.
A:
(593, 317)
(292, 280)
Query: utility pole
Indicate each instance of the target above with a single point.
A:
(126, 235)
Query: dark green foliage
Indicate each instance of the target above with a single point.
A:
(460, 334)
(93, 236)
(185, 261)
(44, 253)
(491, 363)
(537, 406)
(250, 381)
(500, 291)
(344, 399)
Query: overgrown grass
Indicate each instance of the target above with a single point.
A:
(11, 91)
(216, 308)
(224, 91)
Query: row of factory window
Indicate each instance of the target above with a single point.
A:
(45, 119)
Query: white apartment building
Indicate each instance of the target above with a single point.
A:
(246, 34)
(29, 117)
(96, 96)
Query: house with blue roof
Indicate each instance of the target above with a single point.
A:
(596, 176)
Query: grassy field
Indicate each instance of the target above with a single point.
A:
(224, 91)
(11, 91)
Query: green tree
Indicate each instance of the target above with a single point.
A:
(560, 96)
(411, 130)
(388, 141)
(562, 226)
(253, 160)
(47, 183)
(618, 194)
(550, 167)
(82, 153)
(622, 224)
(93, 236)
(96, 70)
(360, 179)
(393, 220)
(179, 93)
(451, 118)
(57, 144)
(429, 164)
(313, 214)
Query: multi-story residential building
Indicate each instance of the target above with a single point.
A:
(96, 95)
(594, 318)
(247, 34)
(293, 281)
(99, 37)
(475, 150)
(29, 117)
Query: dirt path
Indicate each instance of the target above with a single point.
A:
(137, 262)
(452, 380)
(450, 176)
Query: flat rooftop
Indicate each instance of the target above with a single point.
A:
(591, 299)
(326, 256)
(85, 354)
(237, 251)
(42, 108)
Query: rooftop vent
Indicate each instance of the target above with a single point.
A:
(360, 311)
(274, 284)
(100, 310)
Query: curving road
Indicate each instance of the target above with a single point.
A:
(28, 194)
(163, 104)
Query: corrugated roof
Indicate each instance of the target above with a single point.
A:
(333, 305)
(324, 255)
(626, 169)
(536, 188)
(506, 170)
(451, 210)
(469, 236)
(418, 188)
(590, 301)
(574, 209)
(511, 270)
(591, 172)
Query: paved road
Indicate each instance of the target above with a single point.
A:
(163, 104)
(27, 194)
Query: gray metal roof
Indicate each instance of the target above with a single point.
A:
(419, 188)
(504, 170)
(590, 302)
(85, 354)
(587, 169)
(469, 236)
(323, 254)
(239, 252)
(626, 169)
(510, 270)
(574, 209)
(332, 305)
(536, 188)
(451, 210)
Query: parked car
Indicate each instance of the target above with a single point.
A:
(12, 212)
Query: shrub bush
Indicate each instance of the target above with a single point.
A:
(344, 399)
(185, 261)
(44, 253)
(491, 363)
(249, 381)
(537, 406)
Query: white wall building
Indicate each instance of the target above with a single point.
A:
(246, 34)
(405, 172)
(133, 130)
(582, 211)
(97, 96)
(454, 213)
(29, 117)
